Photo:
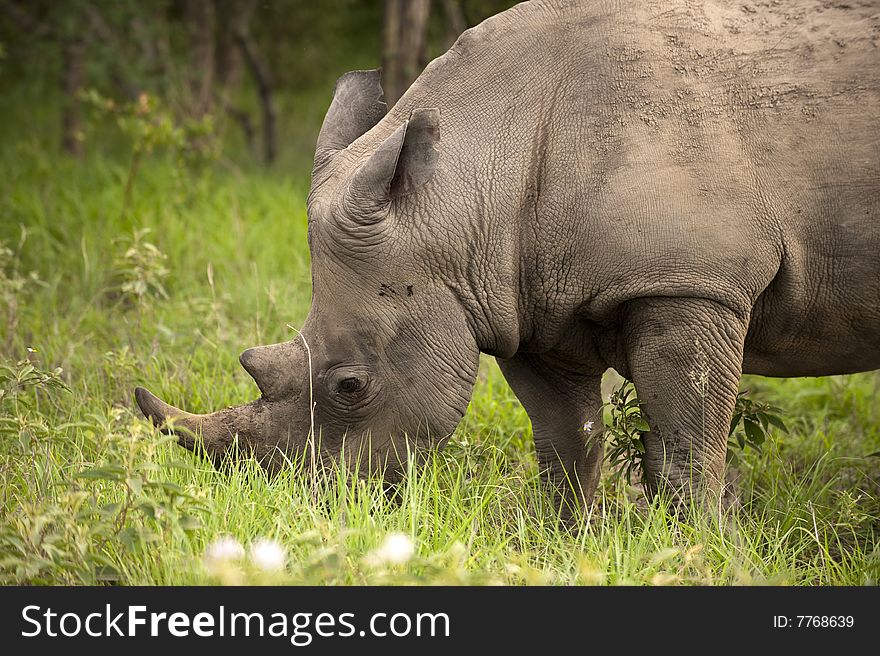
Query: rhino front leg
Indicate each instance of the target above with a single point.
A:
(685, 358)
(565, 407)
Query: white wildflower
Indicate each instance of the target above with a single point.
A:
(396, 549)
(268, 555)
(588, 427)
(222, 552)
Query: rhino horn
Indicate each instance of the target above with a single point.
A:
(217, 429)
(357, 106)
(276, 368)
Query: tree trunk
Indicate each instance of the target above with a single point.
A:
(73, 67)
(72, 79)
(232, 18)
(391, 50)
(404, 45)
(455, 22)
(200, 18)
(260, 73)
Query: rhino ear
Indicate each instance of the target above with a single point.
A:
(357, 106)
(400, 165)
(418, 157)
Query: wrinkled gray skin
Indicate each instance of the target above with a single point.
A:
(681, 191)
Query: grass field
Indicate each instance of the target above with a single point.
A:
(206, 263)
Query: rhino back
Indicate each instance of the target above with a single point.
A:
(593, 153)
(780, 131)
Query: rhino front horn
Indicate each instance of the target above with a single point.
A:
(214, 428)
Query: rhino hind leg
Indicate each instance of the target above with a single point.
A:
(685, 358)
(565, 408)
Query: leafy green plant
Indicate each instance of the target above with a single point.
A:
(151, 125)
(13, 285)
(147, 507)
(22, 426)
(755, 420)
(139, 268)
(624, 431)
(24, 375)
(86, 517)
(625, 426)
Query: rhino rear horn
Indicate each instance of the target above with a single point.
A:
(358, 104)
(400, 165)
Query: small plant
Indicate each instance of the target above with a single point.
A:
(624, 431)
(148, 508)
(625, 426)
(152, 125)
(13, 284)
(756, 420)
(139, 268)
(117, 501)
(21, 385)
(25, 375)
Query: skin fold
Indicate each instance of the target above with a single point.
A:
(683, 191)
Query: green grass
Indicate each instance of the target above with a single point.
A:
(237, 273)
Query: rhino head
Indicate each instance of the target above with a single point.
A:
(385, 361)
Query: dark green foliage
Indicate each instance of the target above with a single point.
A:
(624, 432)
(85, 519)
(755, 419)
(625, 427)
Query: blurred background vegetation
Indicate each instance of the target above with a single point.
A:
(260, 73)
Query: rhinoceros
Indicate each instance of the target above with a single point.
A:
(680, 191)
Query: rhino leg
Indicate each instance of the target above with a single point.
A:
(560, 402)
(685, 358)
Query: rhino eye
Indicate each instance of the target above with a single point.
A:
(350, 385)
